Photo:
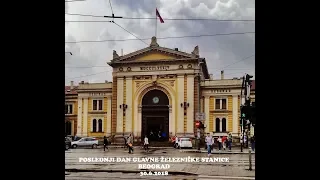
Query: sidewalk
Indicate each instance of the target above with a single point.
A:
(215, 151)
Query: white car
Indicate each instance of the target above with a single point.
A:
(85, 142)
(184, 143)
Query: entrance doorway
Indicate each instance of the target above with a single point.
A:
(68, 128)
(155, 116)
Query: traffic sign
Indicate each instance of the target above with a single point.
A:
(200, 116)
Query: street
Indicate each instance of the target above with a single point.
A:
(236, 168)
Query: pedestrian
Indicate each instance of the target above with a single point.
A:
(253, 142)
(209, 143)
(219, 142)
(176, 142)
(129, 143)
(245, 141)
(105, 143)
(224, 142)
(229, 141)
(146, 143)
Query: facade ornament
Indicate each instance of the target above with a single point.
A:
(196, 51)
(154, 42)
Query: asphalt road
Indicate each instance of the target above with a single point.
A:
(236, 168)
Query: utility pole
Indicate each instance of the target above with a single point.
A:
(241, 115)
(198, 87)
(246, 84)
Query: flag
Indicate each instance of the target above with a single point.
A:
(158, 15)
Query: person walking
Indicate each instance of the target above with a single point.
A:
(129, 143)
(253, 142)
(219, 142)
(224, 142)
(146, 143)
(209, 143)
(105, 143)
(229, 141)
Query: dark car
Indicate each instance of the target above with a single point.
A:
(67, 143)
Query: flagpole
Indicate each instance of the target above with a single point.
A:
(156, 24)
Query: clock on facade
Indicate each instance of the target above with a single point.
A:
(155, 100)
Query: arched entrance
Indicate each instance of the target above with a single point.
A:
(155, 115)
(68, 128)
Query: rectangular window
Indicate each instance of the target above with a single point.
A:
(68, 109)
(95, 105)
(224, 103)
(100, 104)
(221, 103)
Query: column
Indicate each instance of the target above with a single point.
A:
(108, 133)
(79, 118)
(119, 129)
(235, 118)
(207, 113)
(129, 103)
(85, 117)
(172, 115)
(180, 97)
(139, 122)
(190, 100)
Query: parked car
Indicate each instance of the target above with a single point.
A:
(67, 143)
(85, 142)
(184, 143)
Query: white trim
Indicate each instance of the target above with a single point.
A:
(97, 123)
(220, 123)
(221, 97)
(72, 107)
(97, 99)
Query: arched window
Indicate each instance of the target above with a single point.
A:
(99, 125)
(217, 125)
(94, 125)
(224, 125)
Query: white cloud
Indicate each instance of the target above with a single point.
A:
(219, 51)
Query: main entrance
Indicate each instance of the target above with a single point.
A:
(155, 116)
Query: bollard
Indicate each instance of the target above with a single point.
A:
(250, 165)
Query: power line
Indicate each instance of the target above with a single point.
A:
(168, 19)
(87, 75)
(172, 37)
(238, 61)
(73, 1)
(111, 6)
(130, 32)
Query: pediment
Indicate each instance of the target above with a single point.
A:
(154, 52)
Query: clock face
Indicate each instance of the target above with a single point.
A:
(155, 100)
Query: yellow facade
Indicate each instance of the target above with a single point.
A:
(139, 72)
(155, 56)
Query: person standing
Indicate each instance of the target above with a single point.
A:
(105, 143)
(146, 143)
(176, 142)
(129, 143)
(209, 143)
(219, 142)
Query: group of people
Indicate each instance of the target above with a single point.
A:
(161, 136)
(223, 142)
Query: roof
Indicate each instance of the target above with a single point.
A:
(67, 90)
(253, 85)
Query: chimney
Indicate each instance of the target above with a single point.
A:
(71, 85)
(211, 76)
(222, 75)
(121, 52)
